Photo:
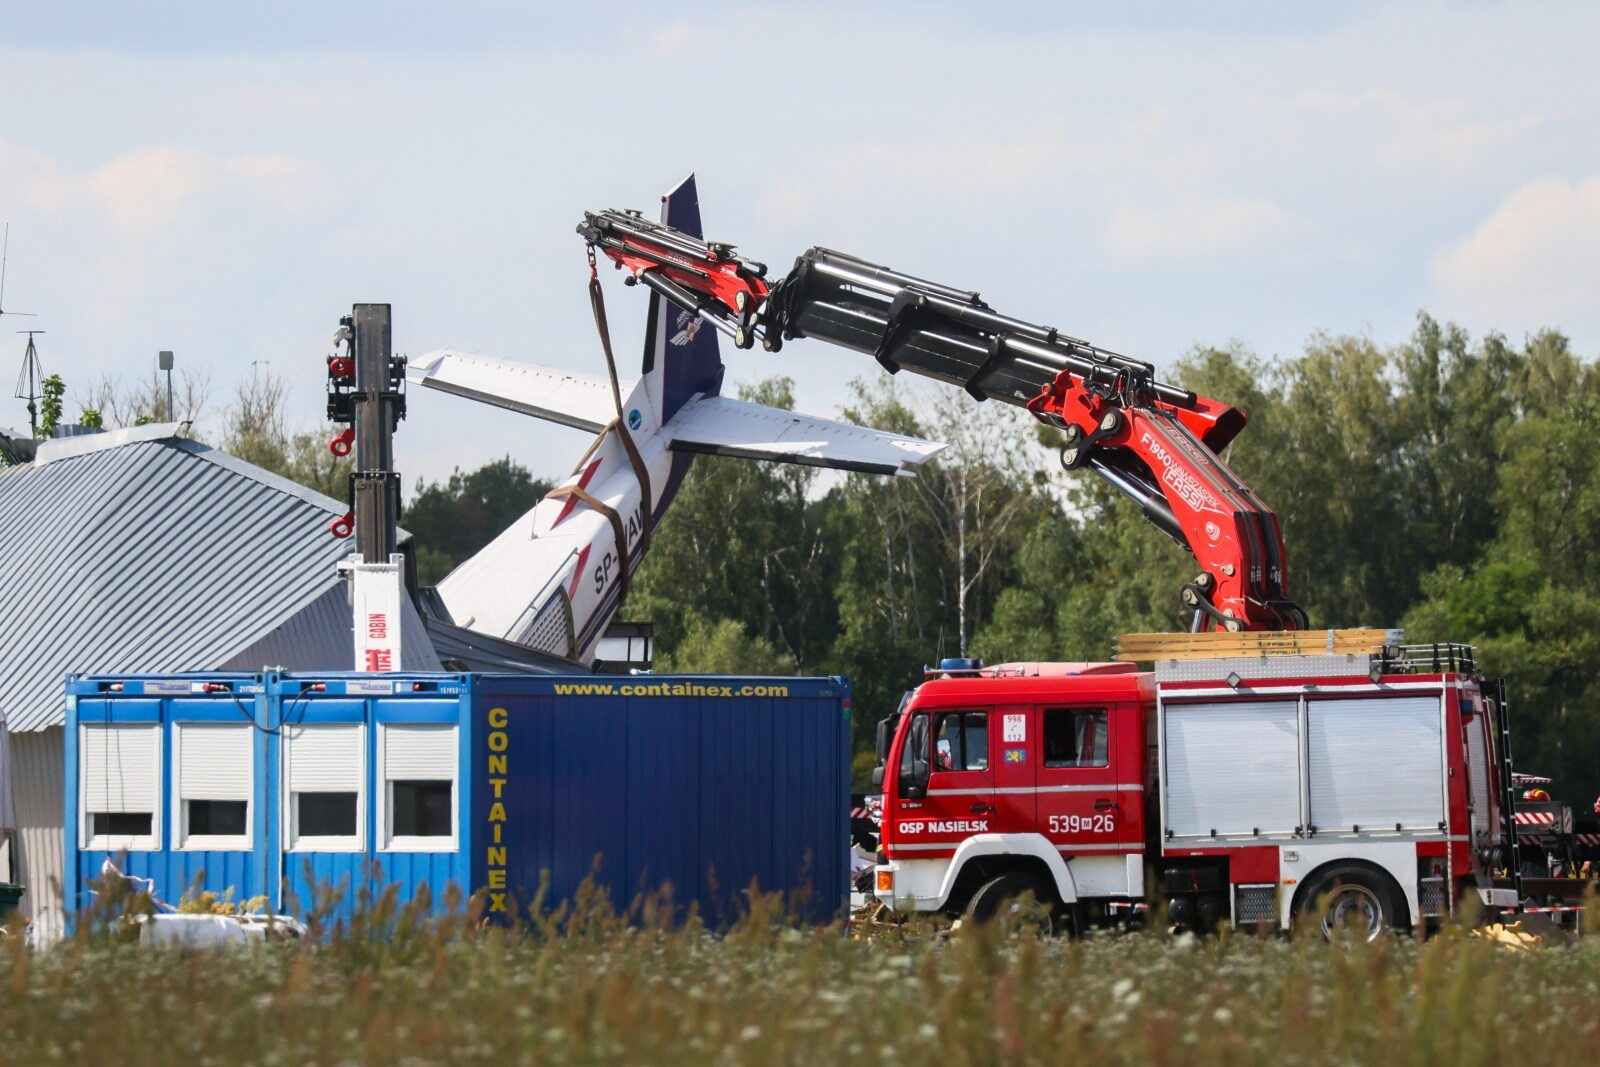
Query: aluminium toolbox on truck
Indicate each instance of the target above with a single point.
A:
(273, 784)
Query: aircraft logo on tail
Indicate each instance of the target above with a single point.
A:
(688, 326)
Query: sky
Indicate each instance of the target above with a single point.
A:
(226, 180)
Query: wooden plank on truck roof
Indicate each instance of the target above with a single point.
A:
(1175, 646)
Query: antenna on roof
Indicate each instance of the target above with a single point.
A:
(29, 381)
(5, 253)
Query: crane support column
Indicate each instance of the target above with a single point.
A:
(364, 390)
(378, 407)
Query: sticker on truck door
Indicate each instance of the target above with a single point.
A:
(1015, 729)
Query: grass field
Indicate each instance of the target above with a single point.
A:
(590, 988)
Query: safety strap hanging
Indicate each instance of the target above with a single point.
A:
(618, 426)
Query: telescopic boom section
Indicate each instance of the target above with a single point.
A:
(703, 277)
(1155, 442)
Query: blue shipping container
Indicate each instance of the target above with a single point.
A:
(277, 784)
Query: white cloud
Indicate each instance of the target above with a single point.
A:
(151, 188)
(1191, 229)
(1532, 262)
(156, 247)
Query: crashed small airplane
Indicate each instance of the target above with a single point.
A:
(555, 578)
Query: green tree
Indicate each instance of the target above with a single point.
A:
(1531, 603)
(255, 429)
(451, 520)
(745, 543)
(722, 647)
(50, 406)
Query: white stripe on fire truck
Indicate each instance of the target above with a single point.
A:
(1014, 789)
(1127, 846)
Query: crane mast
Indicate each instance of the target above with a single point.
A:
(1156, 443)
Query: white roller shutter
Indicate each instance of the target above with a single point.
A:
(214, 761)
(121, 768)
(324, 758)
(1478, 770)
(419, 752)
(1374, 763)
(1233, 768)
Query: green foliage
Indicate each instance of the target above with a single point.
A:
(92, 418)
(53, 388)
(451, 520)
(722, 647)
(255, 430)
(746, 544)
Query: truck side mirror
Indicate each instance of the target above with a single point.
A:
(915, 786)
(877, 776)
(882, 746)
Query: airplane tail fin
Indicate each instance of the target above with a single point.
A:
(681, 357)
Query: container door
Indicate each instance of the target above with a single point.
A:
(1081, 810)
(961, 797)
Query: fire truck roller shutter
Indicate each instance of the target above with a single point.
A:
(1375, 762)
(1478, 771)
(1232, 768)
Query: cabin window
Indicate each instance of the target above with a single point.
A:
(419, 787)
(119, 769)
(961, 741)
(213, 765)
(324, 767)
(1075, 737)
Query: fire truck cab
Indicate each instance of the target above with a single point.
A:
(1242, 790)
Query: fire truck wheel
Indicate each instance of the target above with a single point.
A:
(1353, 902)
(1000, 900)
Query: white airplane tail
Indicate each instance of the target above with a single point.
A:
(555, 578)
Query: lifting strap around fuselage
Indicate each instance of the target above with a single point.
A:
(618, 426)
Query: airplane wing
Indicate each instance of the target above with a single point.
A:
(582, 401)
(722, 426)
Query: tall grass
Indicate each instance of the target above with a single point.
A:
(586, 985)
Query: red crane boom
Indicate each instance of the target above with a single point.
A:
(1156, 443)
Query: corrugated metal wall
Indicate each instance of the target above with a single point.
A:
(37, 760)
(138, 579)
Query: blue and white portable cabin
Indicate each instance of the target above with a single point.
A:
(374, 770)
(168, 777)
(266, 785)
(489, 782)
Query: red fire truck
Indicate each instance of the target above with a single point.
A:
(1242, 789)
(1235, 782)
